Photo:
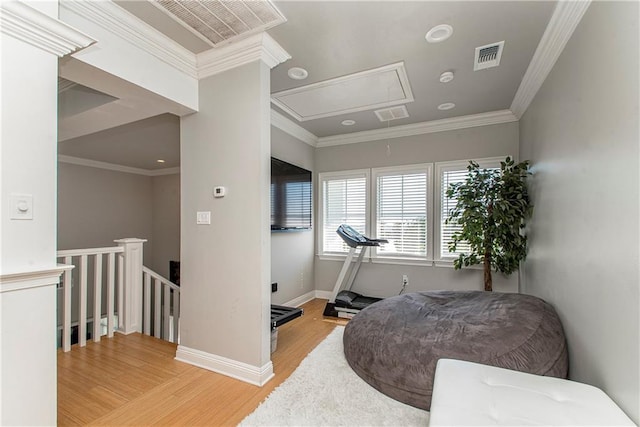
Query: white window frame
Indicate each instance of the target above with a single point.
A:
(427, 169)
(329, 176)
(440, 167)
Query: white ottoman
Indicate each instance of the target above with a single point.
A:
(468, 394)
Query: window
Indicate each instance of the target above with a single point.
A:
(344, 201)
(401, 208)
(402, 199)
(448, 173)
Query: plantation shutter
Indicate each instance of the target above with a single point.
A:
(344, 202)
(448, 230)
(450, 173)
(402, 214)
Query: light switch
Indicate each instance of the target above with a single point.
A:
(203, 218)
(21, 206)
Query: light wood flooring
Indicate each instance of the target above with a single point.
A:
(134, 379)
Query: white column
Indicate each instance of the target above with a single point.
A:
(130, 320)
(32, 40)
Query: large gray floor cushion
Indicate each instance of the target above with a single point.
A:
(394, 344)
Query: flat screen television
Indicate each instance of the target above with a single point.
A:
(290, 196)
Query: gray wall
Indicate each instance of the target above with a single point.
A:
(385, 280)
(97, 206)
(166, 222)
(291, 252)
(581, 132)
(225, 266)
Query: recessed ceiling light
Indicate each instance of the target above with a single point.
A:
(348, 122)
(160, 161)
(439, 33)
(298, 73)
(446, 106)
(446, 77)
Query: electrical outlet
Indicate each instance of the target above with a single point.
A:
(405, 280)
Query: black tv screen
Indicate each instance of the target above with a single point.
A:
(290, 196)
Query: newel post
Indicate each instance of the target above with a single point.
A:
(130, 320)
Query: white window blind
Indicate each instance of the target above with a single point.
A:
(344, 202)
(402, 212)
(449, 173)
(447, 231)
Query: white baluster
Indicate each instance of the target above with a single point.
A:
(111, 270)
(176, 315)
(66, 306)
(82, 318)
(120, 290)
(147, 304)
(157, 308)
(97, 297)
(167, 312)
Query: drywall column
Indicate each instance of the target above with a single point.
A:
(32, 40)
(225, 265)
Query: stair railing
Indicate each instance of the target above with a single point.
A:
(119, 281)
(166, 307)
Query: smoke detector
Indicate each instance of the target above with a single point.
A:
(446, 77)
(488, 56)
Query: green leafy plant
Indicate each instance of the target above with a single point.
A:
(492, 207)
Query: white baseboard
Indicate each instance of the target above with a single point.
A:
(324, 294)
(232, 368)
(297, 302)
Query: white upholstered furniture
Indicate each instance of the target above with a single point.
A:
(471, 394)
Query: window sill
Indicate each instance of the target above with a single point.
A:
(397, 261)
(403, 261)
(449, 264)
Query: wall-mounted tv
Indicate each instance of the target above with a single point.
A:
(290, 196)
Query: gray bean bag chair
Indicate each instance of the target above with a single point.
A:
(394, 344)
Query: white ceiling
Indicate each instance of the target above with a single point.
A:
(333, 39)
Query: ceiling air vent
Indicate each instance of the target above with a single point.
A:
(393, 113)
(488, 56)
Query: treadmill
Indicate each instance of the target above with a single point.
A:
(344, 302)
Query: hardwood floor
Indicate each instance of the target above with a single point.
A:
(134, 379)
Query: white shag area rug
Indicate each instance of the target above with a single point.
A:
(324, 391)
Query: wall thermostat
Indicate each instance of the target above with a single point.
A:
(219, 192)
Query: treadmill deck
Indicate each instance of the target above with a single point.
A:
(281, 315)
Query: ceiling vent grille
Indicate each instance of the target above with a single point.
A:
(221, 21)
(393, 113)
(488, 56)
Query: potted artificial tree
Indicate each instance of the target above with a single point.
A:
(492, 207)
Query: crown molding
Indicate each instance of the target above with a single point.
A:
(293, 129)
(462, 122)
(118, 168)
(257, 47)
(40, 30)
(123, 24)
(563, 22)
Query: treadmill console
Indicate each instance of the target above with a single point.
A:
(352, 238)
